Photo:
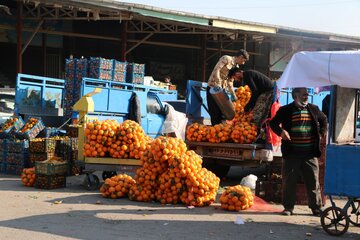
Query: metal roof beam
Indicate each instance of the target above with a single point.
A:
(57, 12)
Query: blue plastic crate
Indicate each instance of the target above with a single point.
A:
(13, 169)
(136, 78)
(19, 159)
(101, 63)
(120, 66)
(2, 144)
(2, 156)
(119, 77)
(103, 74)
(7, 133)
(33, 132)
(70, 65)
(136, 68)
(17, 146)
(2, 167)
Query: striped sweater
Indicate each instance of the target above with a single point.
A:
(302, 132)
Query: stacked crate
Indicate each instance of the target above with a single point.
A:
(31, 129)
(13, 124)
(15, 156)
(119, 74)
(2, 154)
(101, 68)
(135, 73)
(50, 168)
(50, 174)
(42, 149)
(75, 70)
(67, 149)
(70, 67)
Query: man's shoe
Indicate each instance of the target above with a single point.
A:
(316, 212)
(287, 212)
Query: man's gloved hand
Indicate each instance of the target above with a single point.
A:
(233, 98)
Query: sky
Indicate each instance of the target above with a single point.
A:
(332, 16)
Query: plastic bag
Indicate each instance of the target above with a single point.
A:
(175, 122)
(249, 181)
(274, 139)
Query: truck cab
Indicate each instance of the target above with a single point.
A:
(116, 100)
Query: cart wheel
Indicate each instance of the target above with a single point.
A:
(334, 222)
(108, 174)
(353, 212)
(91, 182)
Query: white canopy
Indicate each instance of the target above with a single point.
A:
(324, 68)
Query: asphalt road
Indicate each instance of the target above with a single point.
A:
(74, 213)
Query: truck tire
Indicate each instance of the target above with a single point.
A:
(218, 169)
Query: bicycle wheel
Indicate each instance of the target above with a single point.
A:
(353, 212)
(334, 222)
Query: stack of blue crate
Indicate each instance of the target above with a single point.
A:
(135, 73)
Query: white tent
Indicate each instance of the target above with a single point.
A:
(324, 68)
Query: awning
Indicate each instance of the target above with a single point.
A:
(324, 68)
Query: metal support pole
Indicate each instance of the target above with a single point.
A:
(203, 59)
(123, 40)
(44, 43)
(19, 26)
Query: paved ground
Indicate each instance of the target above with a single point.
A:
(29, 213)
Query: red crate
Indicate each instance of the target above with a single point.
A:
(301, 194)
(271, 191)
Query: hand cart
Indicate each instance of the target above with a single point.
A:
(109, 166)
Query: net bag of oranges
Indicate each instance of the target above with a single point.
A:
(236, 198)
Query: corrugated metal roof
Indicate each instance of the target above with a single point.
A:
(186, 17)
(173, 17)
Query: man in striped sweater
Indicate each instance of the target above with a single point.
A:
(302, 126)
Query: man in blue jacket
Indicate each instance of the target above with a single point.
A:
(302, 126)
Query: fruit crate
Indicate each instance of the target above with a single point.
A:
(19, 159)
(2, 156)
(33, 132)
(40, 157)
(103, 74)
(17, 146)
(47, 168)
(119, 77)
(136, 78)
(136, 68)
(50, 182)
(101, 63)
(120, 66)
(11, 125)
(101, 68)
(42, 145)
(269, 190)
(2, 144)
(13, 122)
(72, 131)
(13, 169)
(2, 167)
